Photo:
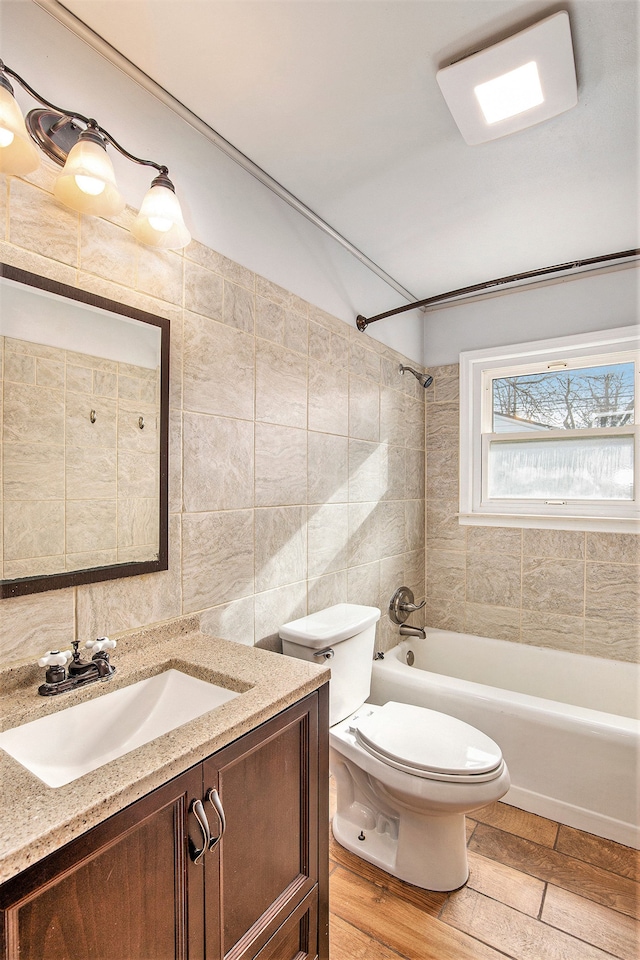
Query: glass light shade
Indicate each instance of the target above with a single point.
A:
(18, 154)
(160, 222)
(87, 182)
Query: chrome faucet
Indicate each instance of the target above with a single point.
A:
(60, 678)
(406, 630)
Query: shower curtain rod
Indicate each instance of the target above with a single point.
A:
(363, 322)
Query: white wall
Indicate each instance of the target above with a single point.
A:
(225, 208)
(598, 301)
(42, 317)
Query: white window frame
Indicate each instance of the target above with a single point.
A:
(477, 369)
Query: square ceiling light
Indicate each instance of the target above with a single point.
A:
(514, 84)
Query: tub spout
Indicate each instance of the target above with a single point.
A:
(406, 630)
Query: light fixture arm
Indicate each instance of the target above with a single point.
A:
(125, 153)
(89, 122)
(36, 96)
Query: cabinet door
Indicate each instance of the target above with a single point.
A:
(297, 938)
(268, 860)
(119, 892)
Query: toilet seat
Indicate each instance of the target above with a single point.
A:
(428, 744)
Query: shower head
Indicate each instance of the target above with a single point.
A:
(423, 379)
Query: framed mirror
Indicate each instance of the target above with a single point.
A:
(84, 423)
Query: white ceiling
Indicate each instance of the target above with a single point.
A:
(337, 100)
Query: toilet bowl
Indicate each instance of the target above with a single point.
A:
(405, 776)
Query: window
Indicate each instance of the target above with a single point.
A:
(549, 433)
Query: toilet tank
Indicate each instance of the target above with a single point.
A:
(349, 630)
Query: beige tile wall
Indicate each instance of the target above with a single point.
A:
(297, 470)
(296, 448)
(80, 477)
(552, 588)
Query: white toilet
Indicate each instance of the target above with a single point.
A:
(405, 775)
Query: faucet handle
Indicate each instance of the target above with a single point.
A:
(102, 643)
(412, 607)
(401, 605)
(55, 658)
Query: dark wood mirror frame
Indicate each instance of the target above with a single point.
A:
(57, 581)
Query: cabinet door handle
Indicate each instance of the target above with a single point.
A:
(197, 810)
(216, 803)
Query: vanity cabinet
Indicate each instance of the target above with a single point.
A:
(129, 888)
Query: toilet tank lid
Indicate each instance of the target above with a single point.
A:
(331, 625)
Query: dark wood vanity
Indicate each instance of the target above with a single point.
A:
(129, 889)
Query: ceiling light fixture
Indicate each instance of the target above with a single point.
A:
(512, 93)
(87, 182)
(521, 81)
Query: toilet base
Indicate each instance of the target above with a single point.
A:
(426, 851)
(419, 861)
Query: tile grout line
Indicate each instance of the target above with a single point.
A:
(542, 900)
(568, 858)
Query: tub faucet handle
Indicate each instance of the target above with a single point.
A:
(402, 605)
(412, 607)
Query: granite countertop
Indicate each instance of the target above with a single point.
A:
(36, 819)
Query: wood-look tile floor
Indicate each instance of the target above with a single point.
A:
(537, 890)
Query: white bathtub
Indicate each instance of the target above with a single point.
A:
(567, 724)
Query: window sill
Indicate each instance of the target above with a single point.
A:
(597, 524)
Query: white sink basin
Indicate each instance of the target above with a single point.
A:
(65, 745)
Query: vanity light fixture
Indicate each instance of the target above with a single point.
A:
(521, 81)
(18, 155)
(87, 182)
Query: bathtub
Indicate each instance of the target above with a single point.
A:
(567, 723)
